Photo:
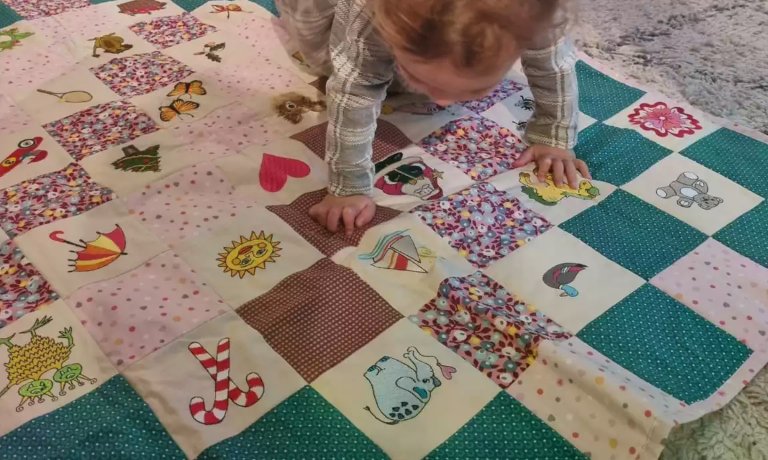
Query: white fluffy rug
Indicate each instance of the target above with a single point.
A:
(711, 53)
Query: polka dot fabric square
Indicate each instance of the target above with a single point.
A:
(617, 155)
(311, 310)
(666, 344)
(297, 216)
(634, 234)
(506, 427)
(482, 223)
(388, 139)
(303, 426)
(723, 286)
(476, 145)
(746, 234)
(172, 30)
(600, 96)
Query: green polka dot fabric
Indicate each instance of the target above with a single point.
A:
(747, 234)
(735, 156)
(303, 426)
(600, 96)
(634, 234)
(666, 344)
(110, 422)
(506, 430)
(617, 155)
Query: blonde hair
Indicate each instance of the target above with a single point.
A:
(471, 33)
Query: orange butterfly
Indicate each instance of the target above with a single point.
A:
(228, 9)
(178, 108)
(193, 87)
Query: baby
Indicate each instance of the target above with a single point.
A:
(448, 50)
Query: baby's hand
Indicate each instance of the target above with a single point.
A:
(559, 162)
(354, 211)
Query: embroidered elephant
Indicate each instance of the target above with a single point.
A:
(549, 194)
(689, 189)
(401, 391)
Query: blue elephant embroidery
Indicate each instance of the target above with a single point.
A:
(401, 391)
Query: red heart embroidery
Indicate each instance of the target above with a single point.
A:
(275, 171)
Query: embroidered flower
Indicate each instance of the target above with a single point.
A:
(664, 120)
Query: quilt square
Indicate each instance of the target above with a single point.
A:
(32, 9)
(674, 353)
(506, 89)
(488, 326)
(297, 216)
(417, 116)
(179, 382)
(140, 436)
(22, 288)
(747, 234)
(48, 198)
(735, 156)
(402, 389)
(482, 223)
(142, 310)
(388, 139)
(172, 30)
(319, 426)
(634, 234)
(141, 73)
(528, 436)
(25, 50)
(725, 287)
(617, 155)
(600, 96)
(27, 154)
(565, 278)
(513, 112)
(692, 193)
(97, 128)
(48, 360)
(298, 315)
(476, 145)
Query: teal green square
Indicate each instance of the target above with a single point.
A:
(666, 344)
(112, 421)
(634, 234)
(617, 155)
(747, 234)
(303, 426)
(506, 429)
(600, 96)
(268, 5)
(740, 158)
(7, 16)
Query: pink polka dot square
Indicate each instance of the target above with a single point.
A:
(725, 287)
(143, 310)
(186, 204)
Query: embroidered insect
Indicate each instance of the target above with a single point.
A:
(177, 108)
(188, 88)
(209, 51)
(525, 103)
(110, 43)
(230, 8)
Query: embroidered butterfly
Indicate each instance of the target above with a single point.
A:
(193, 87)
(178, 108)
(227, 8)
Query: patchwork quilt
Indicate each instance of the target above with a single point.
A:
(165, 294)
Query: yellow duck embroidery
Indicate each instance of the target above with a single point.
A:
(549, 194)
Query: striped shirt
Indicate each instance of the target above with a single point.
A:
(337, 39)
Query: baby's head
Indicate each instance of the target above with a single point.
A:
(458, 50)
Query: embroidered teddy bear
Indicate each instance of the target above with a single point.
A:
(689, 189)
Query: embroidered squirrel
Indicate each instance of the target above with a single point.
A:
(293, 106)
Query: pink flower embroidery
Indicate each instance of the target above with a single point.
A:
(664, 120)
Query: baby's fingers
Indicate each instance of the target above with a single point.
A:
(348, 215)
(557, 172)
(543, 166)
(583, 169)
(572, 174)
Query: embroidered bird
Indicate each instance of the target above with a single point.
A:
(561, 275)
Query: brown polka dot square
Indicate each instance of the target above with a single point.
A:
(297, 216)
(388, 139)
(318, 317)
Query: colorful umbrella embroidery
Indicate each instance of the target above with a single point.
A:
(95, 254)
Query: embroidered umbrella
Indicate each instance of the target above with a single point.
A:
(95, 254)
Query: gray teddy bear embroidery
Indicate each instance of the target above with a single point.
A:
(689, 189)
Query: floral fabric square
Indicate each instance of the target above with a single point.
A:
(482, 223)
(22, 288)
(172, 30)
(98, 128)
(141, 73)
(487, 326)
(31, 9)
(50, 197)
(506, 89)
(478, 146)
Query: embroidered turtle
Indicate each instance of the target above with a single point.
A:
(28, 363)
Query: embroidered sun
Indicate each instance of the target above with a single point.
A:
(249, 254)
